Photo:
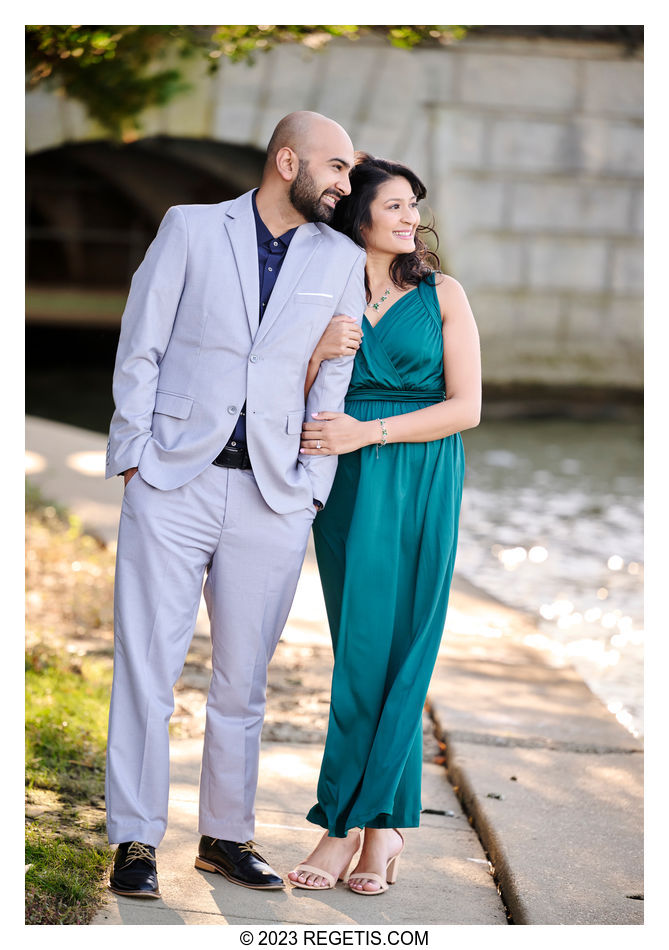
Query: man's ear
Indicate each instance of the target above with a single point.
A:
(287, 163)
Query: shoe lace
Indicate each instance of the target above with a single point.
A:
(139, 852)
(250, 846)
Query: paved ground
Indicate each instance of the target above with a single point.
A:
(445, 852)
(541, 779)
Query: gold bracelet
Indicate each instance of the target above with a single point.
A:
(384, 435)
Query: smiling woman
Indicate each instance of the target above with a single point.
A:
(384, 208)
(393, 516)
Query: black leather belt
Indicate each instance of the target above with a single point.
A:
(233, 456)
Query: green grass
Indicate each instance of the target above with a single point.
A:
(66, 723)
(66, 715)
(63, 880)
(67, 702)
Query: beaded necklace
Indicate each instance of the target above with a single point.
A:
(375, 306)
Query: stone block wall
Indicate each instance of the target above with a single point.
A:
(538, 161)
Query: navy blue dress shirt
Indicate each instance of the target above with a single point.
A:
(271, 255)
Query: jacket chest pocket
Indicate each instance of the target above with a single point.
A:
(312, 297)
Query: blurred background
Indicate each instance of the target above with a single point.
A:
(530, 142)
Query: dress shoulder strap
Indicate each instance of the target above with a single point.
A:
(427, 290)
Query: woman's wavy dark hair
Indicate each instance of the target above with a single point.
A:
(353, 213)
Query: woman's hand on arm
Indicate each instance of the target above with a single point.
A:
(341, 337)
(336, 433)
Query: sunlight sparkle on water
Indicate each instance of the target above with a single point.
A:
(569, 620)
(633, 637)
(562, 612)
(615, 563)
(592, 650)
(460, 622)
(512, 557)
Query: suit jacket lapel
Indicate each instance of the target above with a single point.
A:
(241, 228)
(300, 251)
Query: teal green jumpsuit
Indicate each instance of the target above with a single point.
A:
(385, 545)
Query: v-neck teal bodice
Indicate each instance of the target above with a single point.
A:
(402, 355)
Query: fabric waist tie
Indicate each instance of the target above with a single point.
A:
(395, 395)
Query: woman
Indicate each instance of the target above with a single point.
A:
(386, 541)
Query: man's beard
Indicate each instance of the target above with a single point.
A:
(306, 198)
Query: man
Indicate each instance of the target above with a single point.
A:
(222, 317)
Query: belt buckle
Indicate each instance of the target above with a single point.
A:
(233, 456)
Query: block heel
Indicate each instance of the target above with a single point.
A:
(383, 881)
(393, 866)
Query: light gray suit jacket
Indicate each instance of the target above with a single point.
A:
(192, 351)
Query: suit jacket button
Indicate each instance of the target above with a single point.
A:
(254, 358)
(232, 410)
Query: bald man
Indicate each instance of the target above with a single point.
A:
(221, 319)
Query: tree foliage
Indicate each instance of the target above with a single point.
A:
(118, 71)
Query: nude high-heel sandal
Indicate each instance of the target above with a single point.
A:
(390, 877)
(330, 878)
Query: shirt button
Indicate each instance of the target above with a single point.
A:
(269, 269)
(232, 410)
(276, 244)
(254, 358)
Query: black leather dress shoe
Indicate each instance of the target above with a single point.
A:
(238, 861)
(134, 871)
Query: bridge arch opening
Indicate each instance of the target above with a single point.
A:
(92, 209)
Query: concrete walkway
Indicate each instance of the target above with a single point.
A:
(543, 780)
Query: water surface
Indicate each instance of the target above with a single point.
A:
(552, 523)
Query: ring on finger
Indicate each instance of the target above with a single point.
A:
(318, 443)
